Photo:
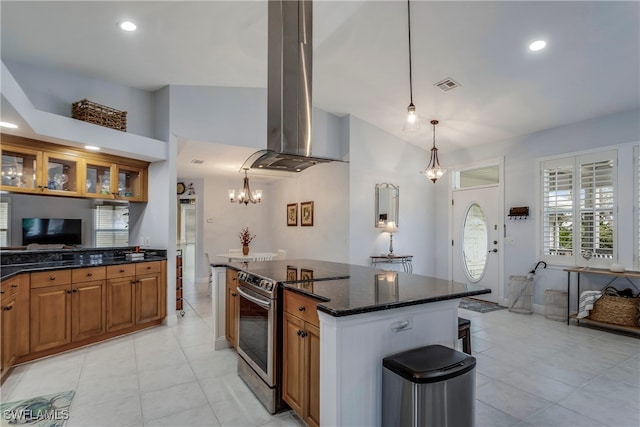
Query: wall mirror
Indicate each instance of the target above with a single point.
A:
(387, 204)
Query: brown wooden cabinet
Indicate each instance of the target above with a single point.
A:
(135, 294)
(301, 357)
(231, 303)
(38, 167)
(8, 327)
(67, 306)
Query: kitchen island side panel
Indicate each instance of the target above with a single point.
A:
(352, 349)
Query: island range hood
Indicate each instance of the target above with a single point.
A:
(289, 107)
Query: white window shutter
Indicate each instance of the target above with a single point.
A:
(111, 225)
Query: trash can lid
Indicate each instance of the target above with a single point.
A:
(429, 364)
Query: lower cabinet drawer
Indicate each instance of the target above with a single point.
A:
(50, 278)
(122, 270)
(302, 307)
(148, 267)
(88, 274)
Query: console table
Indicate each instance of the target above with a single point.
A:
(405, 260)
(627, 274)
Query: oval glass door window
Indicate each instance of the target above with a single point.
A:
(475, 239)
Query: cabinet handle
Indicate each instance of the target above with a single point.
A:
(7, 308)
(15, 285)
(122, 270)
(302, 308)
(2, 291)
(52, 278)
(75, 290)
(233, 294)
(303, 334)
(299, 332)
(148, 267)
(68, 291)
(89, 274)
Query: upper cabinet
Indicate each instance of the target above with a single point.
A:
(36, 167)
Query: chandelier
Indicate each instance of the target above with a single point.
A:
(434, 171)
(245, 195)
(412, 123)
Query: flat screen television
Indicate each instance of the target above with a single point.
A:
(48, 231)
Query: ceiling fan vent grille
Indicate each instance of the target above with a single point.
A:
(447, 84)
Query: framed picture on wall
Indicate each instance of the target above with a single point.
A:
(306, 274)
(292, 273)
(292, 214)
(306, 216)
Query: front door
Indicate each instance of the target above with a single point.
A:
(477, 232)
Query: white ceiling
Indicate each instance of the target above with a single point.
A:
(590, 67)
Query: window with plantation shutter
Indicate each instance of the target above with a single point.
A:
(579, 209)
(558, 208)
(4, 223)
(111, 225)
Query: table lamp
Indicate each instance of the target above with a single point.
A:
(390, 228)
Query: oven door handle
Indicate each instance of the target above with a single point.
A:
(262, 303)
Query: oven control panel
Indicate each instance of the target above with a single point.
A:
(258, 282)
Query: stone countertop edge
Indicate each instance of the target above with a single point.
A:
(9, 271)
(379, 307)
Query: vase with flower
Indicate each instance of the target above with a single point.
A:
(245, 239)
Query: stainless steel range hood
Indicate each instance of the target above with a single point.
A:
(289, 107)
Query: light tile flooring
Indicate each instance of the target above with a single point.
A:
(531, 372)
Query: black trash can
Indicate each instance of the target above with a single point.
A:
(429, 386)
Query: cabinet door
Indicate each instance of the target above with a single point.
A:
(97, 179)
(88, 310)
(61, 174)
(50, 317)
(293, 381)
(131, 183)
(231, 321)
(120, 303)
(9, 327)
(20, 168)
(148, 298)
(312, 352)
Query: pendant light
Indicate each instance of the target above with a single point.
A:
(412, 123)
(434, 171)
(245, 195)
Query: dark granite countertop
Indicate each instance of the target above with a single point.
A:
(8, 271)
(345, 289)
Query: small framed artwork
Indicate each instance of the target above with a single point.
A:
(306, 216)
(306, 275)
(292, 274)
(292, 214)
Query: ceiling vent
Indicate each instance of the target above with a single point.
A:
(197, 162)
(447, 84)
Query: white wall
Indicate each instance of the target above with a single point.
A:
(378, 157)
(520, 156)
(54, 91)
(327, 185)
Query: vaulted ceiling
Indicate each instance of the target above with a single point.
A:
(589, 68)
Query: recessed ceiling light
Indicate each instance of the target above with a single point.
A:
(8, 125)
(537, 45)
(92, 147)
(127, 26)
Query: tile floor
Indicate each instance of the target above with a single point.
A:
(531, 372)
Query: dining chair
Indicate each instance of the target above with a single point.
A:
(282, 254)
(264, 257)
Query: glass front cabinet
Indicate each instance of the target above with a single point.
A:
(36, 167)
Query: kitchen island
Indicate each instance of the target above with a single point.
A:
(366, 314)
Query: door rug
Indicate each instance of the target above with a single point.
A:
(51, 410)
(479, 305)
